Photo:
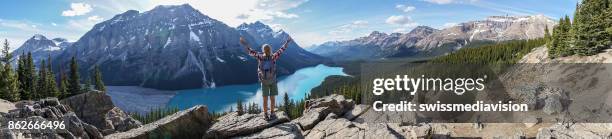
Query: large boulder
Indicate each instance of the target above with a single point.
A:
(188, 123)
(555, 100)
(335, 103)
(6, 105)
(311, 117)
(317, 109)
(232, 124)
(97, 109)
(286, 131)
(120, 120)
(47, 110)
(334, 127)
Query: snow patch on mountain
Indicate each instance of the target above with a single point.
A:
(193, 36)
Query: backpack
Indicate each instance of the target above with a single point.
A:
(266, 66)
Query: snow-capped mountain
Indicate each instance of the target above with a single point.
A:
(424, 39)
(177, 47)
(41, 48)
(375, 45)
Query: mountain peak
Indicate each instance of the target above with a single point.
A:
(254, 25)
(422, 30)
(173, 7)
(38, 37)
(377, 34)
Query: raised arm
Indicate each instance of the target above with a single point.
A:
(282, 49)
(250, 51)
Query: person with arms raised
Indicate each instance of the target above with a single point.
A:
(266, 71)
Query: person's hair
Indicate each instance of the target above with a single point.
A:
(267, 50)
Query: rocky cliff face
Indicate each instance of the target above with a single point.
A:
(177, 47)
(97, 109)
(424, 39)
(50, 109)
(190, 123)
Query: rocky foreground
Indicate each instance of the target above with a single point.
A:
(91, 115)
(88, 115)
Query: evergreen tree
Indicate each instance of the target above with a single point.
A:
(608, 21)
(591, 31)
(21, 75)
(98, 83)
(556, 40)
(9, 84)
(287, 103)
(51, 80)
(26, 76)
(564, 49)
(42, 86)
(30, 78)
(547, 36)
(63, 84)
(87, 87)
(74, 85)
(239, 107)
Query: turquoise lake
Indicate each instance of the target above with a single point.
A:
(219, 99)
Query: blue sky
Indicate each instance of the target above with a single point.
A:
(308, 21)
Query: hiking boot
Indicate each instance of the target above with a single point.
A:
(266, 116)
(272, 116)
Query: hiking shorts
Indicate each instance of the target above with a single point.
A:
(269, 89)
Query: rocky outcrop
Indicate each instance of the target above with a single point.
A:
(578, 130)
(5, 106)
(318, 109)
(287, 130)
(233, 124)
(190, 123)
(97, 109)
(47, 110)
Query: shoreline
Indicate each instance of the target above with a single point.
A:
(139, 99)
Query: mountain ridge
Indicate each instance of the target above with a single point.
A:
(41, 48)
(424, 39)
(173, 43)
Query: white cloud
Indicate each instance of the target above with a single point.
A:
(82, 25)
(401, 20)
(405, 8)
(440, 1)
(53, 24)
(18, 25)
(448, 1)
(95, 18)
(77, 9)
(285, 15)
(268, 10)
(241, 10)
(349, 28)
(279, 5)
